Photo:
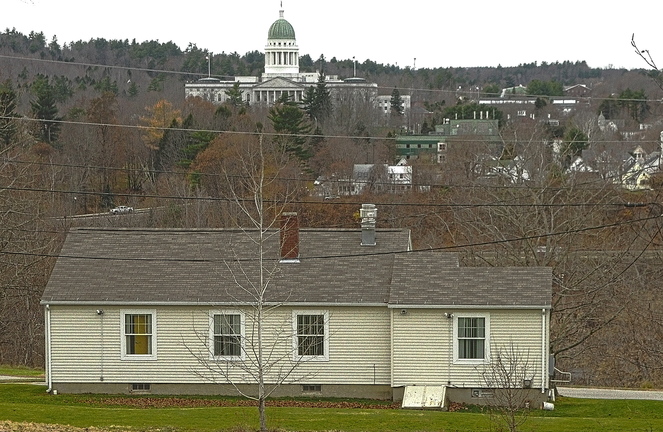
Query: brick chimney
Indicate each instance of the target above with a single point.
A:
(289, 237)
(368, 214)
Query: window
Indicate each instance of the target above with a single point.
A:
(138, 334)
(140, 388)
(311, 388)
(471, 338)
(227, 330)
(311, 330)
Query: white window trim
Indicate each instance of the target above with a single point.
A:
(242, 331)
(123, 338)
(295, 340)
(486, 347)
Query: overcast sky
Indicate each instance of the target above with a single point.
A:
(435, 33)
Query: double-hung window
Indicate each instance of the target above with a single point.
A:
(138, 334)
(311, 335)
(227, 328)
(471, 338)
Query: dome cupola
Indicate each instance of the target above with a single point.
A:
(281, 52)
(281, 29)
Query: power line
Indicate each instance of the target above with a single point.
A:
(326, 257)
(451, 92)
(337, 202)
(142, 169)
(459, 139)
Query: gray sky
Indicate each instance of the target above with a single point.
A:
(436, 33)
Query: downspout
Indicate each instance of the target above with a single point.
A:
(49, 381)
(544, 357)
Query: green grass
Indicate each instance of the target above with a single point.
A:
(30, 403)
(21, 371)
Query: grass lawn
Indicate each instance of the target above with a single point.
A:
(30, 403)
(21, 371)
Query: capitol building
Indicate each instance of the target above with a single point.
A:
(282, 76)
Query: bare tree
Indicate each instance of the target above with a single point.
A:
(656, 75)
(510, 375)
(25, 243)
(253, 180)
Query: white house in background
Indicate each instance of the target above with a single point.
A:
(357, 312)
(384, 103)
(638, 169)
(376, 178)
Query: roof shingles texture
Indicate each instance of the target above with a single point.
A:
(221, 267)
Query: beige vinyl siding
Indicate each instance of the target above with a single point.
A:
(86, 347)
(423, 345)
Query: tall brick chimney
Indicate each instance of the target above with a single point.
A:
(289, 237)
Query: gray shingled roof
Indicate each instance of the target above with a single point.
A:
(417, 284)
(174, 266)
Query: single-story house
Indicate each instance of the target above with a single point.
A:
(342, 312)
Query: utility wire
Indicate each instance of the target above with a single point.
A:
(335, 202)
(452, 92)
(480, 139)
(140, 169)
(326, 257)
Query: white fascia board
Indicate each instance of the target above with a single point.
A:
(202, 303)
(464, 306)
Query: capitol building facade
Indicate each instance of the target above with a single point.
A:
(282, 76)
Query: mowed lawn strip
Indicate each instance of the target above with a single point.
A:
(30, 403)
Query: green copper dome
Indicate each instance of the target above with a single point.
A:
(281, 29)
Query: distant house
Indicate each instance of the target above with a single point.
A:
(638, 169)
(356, 311)
(384, 103)
(511, 171)
(577, 90)
(376, 178)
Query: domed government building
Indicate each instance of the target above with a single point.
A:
(282, 76)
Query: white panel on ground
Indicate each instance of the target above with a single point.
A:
(424, 397)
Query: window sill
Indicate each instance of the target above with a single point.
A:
(305, 359)
(138, 357)
(471, 362)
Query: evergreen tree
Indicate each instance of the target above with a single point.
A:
(317, 101)
(309, 102)
(575, 141)
(289, 121)
(635, 102)
(133, 89)
(46, 111)
(396, 102)
(235, 95)
(545, 88)
(322, 99)
(7, 113)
